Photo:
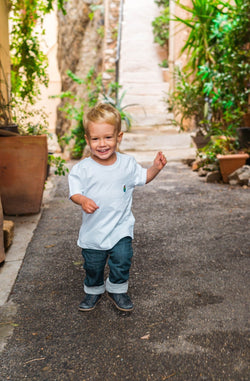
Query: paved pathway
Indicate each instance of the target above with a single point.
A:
(189, 282)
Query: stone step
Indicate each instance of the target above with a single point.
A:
(140, 74)
(159, 141)
(149, 99)
(147, 89)
(141, 77)
(144, 142)
(148, 110)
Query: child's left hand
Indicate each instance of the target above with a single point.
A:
(160, 161)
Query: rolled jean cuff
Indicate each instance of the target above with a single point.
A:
(95, 290)
(116, 288)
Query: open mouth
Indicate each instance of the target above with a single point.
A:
(103, 151)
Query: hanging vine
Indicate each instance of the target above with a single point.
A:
(29, 63)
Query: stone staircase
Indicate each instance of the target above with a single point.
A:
(144, 142)
(141, 78)
(140, 74)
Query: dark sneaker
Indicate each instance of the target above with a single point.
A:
(121, 301)
(89, 302)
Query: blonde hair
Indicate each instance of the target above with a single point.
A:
(102, 113)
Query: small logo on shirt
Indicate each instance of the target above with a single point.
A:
(124, 188)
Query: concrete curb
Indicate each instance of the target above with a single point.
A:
(23, 232)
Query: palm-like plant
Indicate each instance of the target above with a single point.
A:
(111, 96)
(199, 45)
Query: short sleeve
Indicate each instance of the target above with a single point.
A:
(75, 180)
(140, 174)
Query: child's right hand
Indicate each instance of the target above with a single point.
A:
(89, 206)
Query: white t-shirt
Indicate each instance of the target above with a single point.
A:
(111, 187)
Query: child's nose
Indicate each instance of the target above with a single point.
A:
(102, 142)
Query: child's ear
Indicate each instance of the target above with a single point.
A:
(119, 137)
(86, 138)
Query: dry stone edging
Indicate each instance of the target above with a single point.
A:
(241, 176)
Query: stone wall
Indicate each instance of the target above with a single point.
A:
(112, 9)
(79, 48)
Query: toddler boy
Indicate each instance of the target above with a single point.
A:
(102, 185)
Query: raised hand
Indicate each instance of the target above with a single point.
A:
(160, 161)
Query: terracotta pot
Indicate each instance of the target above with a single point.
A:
(166, 74)
(229, 164)
(23, 167)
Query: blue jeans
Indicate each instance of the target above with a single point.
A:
(119, 261)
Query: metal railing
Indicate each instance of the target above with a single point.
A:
(118, 51)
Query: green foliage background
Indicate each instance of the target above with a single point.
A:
(218, 48)
(29, 63)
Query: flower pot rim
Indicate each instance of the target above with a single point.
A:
(234, 155)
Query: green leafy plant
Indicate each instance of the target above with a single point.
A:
(188, 102)
(59, 164)
(34, 121)
(199, 44)
(31, 120)
(74, 109)
(94, 8)
(110, 96)
(161, 28)
(164, 63)
(29, 63)
(5, 100)
(218, 58)
(218, 144)
(226, 82)
(162, 3)
(75, 106)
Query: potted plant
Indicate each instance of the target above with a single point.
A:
(24, 156)
(165, 70)
(23, 168)
(161, 34)
(24, 162)
(161, 26)
(231, 157)
(190, 108)
(225, 152)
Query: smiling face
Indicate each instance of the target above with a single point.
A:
(102, 139)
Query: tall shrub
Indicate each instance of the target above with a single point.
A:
(218, 52)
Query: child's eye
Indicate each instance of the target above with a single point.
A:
(94, 139)
(109, 137)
